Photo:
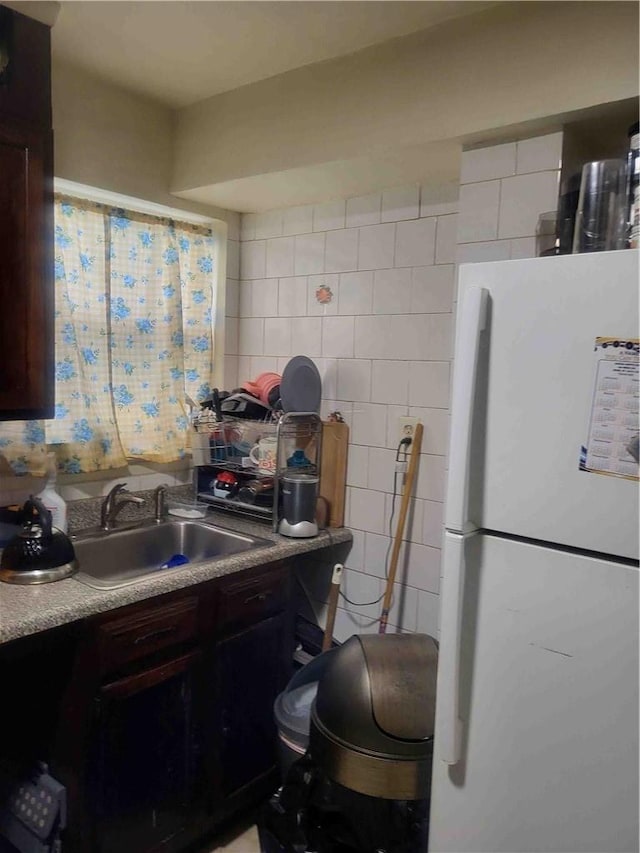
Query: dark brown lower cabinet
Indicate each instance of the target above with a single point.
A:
(143, 774)
(163, 727)
(249, 676)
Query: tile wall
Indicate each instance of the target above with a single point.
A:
(383, 344)
(503, 191)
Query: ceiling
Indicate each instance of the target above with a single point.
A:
(179, 52)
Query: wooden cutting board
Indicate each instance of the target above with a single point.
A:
(333, 470)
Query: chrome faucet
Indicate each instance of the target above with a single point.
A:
(159, 494)
(111, 506)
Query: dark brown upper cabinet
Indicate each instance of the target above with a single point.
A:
(26, 219)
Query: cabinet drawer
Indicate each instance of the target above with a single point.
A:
(149, 630)
(246, 600)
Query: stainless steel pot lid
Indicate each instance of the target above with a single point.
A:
(301, 386)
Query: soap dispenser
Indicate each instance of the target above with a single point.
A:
(51, 499)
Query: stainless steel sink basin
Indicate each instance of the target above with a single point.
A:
(121, 557)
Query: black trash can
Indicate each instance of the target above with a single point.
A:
(364, 784)
(292, 710)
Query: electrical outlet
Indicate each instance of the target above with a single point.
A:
(406, 428)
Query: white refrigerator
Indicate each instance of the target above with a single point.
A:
(536, 736)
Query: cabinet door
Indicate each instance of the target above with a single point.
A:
(250, 674)
(26, 270)
(144, 771)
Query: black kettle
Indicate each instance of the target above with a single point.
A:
(39, 553)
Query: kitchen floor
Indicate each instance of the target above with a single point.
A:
(240, 838)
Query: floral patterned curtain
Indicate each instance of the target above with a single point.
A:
(134, 303)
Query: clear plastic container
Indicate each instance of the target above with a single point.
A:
(186, 509)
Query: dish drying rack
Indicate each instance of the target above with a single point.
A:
(225, 446)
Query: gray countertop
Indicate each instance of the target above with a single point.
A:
(27, 610)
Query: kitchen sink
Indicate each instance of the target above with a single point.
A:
(121, 557)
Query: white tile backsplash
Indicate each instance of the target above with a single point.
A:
(233, 259)
(522, 247)
(429, 384)
(479, 210)
(381, 469)
(539, 153)
(297, 220)
(432, 289)
(435, 423)
(264, 297)
(277, 336)
(428, 614)
(292, 296)
(433, 523)
(400, 203)
(484, 164)
(389, 382)
(376, 552)
(306, 336)
(523, 199)
(415, 243)
(280, 257)
(247, 226)
(422, 567)
(251, 336)
(363, 210)
(245, 299)
(373, 337)
(354, 380)
(309, 254)
(356, 558)
(369, 425)
(446, 239)
(232, 298)
(431, 478)
(337, 337)
(231, 336)
(253, 259)
(328, 370)
(356, 293)
(404, 607)
(392, 291)
(366, 510)
(439, 199)
(268, 225)
(329, 216)
(376, 247)
(492, 250)
(341, 250)
(358, 466)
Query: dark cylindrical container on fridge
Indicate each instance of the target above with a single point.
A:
(299, 499)
(567, 207)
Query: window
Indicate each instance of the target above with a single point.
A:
(134, 318)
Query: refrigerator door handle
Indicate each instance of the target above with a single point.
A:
(449, 729)
(472, 321)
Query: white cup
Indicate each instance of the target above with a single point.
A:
(264, 453)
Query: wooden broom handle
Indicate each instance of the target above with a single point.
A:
(416, 444)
